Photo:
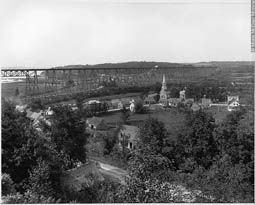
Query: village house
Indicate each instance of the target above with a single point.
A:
(90, 103)
(150, 99)
(233, 97)
(125, 101)
(206, 102)
(132, 106)
(116, 104)
(36, 118)
(97, 123)
(49, 112)
(173, 102)
(21, 108)
(182, 95)
(127, 136)
(233, 103)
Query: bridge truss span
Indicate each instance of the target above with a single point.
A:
(67, 80)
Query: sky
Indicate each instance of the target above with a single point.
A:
(45, 33)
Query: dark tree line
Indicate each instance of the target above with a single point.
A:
(215, 163)
(33, 161)
(207, 162)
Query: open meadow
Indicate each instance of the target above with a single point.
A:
(172, 119)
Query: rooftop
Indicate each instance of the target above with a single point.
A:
(130, 131)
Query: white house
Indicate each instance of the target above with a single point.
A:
(233, 97)
(21, 108)
(233, 105)
(49, 112)
(132, 106)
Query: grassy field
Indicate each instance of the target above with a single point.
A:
(172, 119)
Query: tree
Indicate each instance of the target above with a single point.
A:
(125, 114)
(153, 134)
(7, 185)
(39, 179)
(147, 168)
(79, 102)
(104, 107)
(37, 105)
(197, 145)
(235, 136)
(28, 198)
(109, 140)
(227, 174)
(224, 182)
(235, 139)
(139, 108)
(146, 163)
(68, 132)
(154, 191)
(16, 132)
(157, 87)
(22, 146)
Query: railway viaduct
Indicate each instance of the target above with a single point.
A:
(43, 82)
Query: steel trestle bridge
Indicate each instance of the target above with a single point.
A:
(43, 82)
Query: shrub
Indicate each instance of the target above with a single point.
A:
(7, 185)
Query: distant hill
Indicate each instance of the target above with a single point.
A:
(132, 64)
(226, 64)
(151, 64)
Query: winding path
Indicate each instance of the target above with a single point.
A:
(114, 172)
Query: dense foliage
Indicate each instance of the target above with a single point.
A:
(33, 161)
(206, 163)
(37, 105)
(68, 132)
(139, 108)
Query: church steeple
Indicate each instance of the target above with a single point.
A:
(163, 94)
(164, 83)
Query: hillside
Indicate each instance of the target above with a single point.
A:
(148, 64)
(132, 64)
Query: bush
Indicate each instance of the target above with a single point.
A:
(37, 105)
(139, 108)
(39, 179)
(7, 185)
(28, 198)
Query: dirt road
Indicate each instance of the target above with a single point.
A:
(114, 172)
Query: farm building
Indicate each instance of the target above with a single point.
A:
(151, 99)
(233, 105)
(129, 134)
(97, 123)
(206, 102)
(116, 104)
(173, 102)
